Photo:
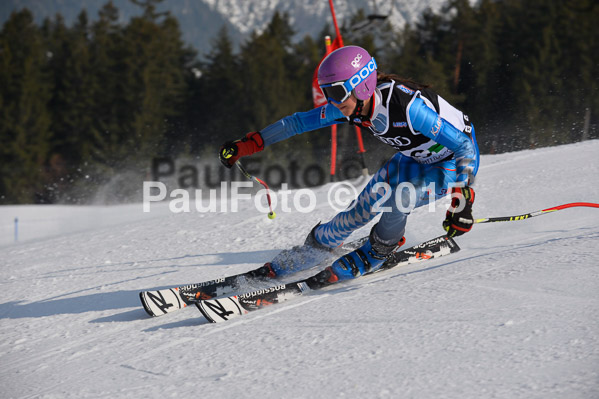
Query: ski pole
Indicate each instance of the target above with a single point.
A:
(271, 214)
(536, 213)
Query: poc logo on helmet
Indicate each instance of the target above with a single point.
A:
(360, 76)
(356, 62)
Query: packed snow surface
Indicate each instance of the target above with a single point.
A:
(514, 314)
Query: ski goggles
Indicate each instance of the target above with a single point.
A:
(338, 92)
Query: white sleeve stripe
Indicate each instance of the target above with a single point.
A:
(451, 114)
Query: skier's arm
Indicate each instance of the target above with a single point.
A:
(297, 123)
(301, 122)
(426, 121)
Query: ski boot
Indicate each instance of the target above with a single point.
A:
(368, 258)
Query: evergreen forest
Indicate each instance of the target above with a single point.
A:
(80, 104)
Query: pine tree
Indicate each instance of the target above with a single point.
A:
(418, 59)
(217, 95)
(24, 119)
(155, 72)
(267, 92)
(72, 104)
(577, 35)
(484, 97)
(111, 93)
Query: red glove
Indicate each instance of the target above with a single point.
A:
(231, 151)
(458, 219)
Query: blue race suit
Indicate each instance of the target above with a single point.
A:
(436, 148)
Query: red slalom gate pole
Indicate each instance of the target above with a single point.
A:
(334, 127)
(337, 32)
(361, 151)
(333, 151)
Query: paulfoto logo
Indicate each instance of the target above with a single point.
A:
(230, 197)
(343, 196)
(190, 174)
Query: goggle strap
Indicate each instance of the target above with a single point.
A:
(357, 113)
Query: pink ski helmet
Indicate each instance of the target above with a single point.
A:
(347, 69)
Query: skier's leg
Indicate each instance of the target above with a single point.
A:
(391, 227)
(424, 183)
(362, 210)
(325, 238)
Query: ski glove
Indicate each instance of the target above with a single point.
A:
(458, 219)
(231, 151)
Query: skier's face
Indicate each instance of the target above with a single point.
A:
(348, 106)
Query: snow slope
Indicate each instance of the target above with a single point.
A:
(515, 314)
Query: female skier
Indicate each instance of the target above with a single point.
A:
(437, 154)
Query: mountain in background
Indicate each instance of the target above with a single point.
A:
(200, 20)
